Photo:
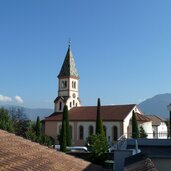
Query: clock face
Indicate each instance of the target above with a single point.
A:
(73, 95)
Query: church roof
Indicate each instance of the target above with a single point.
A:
(88, 113)
(68, 68)
(156, 120)
(18, 153)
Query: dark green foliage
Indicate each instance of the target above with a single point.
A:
(20, 121)
(38, 127)
(65, 134)
(143, 134)
(99, 123)
(39, 138)
(135, 130)
(5, 121)
(68, 132)
(63, 142)
(98, 146)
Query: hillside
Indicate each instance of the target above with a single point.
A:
(32, 113)
(157, 105)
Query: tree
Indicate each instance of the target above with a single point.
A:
(20, 121)
(38, 127)
(143, 134)
(68, 132)
(98, 146)
(99, 123)
(135, 130)
(5, 121)
(65, 136)
(63, 142)
(97, 143)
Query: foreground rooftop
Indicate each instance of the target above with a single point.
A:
(17, 153)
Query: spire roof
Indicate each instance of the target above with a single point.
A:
(68, 68)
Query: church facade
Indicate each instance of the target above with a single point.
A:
(82, 119)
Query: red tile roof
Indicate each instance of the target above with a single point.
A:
(142, 118)
(88, 113)
(17, 154)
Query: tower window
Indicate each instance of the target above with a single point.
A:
(73, 84)
(70, 104)
(73, 102)
(60, 105)
(64, 84)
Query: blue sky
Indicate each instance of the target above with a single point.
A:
(122, 49)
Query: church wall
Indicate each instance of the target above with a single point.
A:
(51, 128)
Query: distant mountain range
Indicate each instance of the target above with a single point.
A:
(32, 113)
(156, 105)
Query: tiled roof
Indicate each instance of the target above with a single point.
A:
(155, 119)
(18, 154)
(142, 118)
(68, 68)
(88, 113)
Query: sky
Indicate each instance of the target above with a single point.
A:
(122, 49)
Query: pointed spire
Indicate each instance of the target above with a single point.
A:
(69, 43)
(68, 68)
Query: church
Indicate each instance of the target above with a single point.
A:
(82, 119)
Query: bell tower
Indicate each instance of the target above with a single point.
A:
(67, 84)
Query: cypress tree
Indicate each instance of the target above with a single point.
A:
(99, 123)
(65, 136)
(38, 127)
(68, 133)
(135, 130)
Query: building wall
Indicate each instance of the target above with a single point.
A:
(51, 128)
(162, 131)
(148, 128)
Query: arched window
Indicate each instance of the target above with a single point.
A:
(104, 128)
(70, 127)
(81, 132)
(73, 102)
(70, 104)
(60, 105)
(90, 130)
(115, 133)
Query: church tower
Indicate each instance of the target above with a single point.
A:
(67, 84)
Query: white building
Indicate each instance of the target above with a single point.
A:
(159, 127)
(116, 118)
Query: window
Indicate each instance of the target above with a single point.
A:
(64, 84)
(104, 128)
(70, 104)
(90, 130)
(115, 133)
(81, 132)
(73, 84)
(60, 105)
(70, 127)
(73, 102)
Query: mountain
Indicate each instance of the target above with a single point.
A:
(32, 113)
(157, 105)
